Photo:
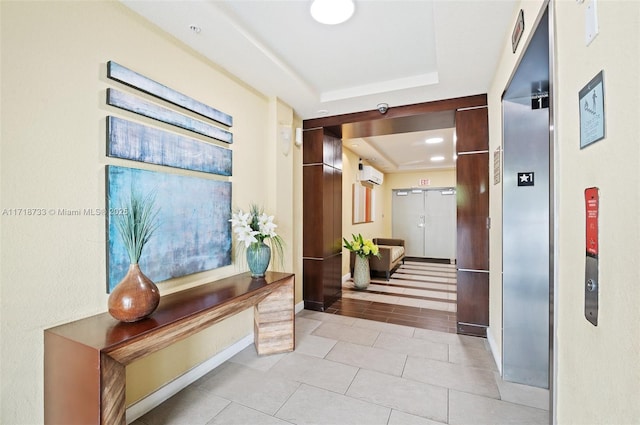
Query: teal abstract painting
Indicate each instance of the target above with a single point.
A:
(194, 232)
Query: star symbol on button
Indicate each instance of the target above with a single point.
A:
(524, 178)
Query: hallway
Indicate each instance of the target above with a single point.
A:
(354, 371)
(418, 294)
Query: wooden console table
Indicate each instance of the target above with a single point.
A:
(84, 361)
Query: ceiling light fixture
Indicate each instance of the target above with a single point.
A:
(434, 140)
(437, 158)
(332, 12)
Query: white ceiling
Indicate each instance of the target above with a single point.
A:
(391, 51)
(405, 152)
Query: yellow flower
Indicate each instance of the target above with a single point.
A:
(360, 246)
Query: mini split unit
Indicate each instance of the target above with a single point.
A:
(371, 175)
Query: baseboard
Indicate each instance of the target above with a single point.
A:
(497, 357)
(299, 307)
(167, 391)
(346, 277)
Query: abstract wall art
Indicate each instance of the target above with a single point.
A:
(138, 142)
(194, 232)
(131, 78)
(131, 103)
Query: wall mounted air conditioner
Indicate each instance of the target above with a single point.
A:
(371, 175)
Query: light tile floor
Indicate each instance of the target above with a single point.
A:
(347, 370)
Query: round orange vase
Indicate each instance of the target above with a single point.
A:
(135, 297)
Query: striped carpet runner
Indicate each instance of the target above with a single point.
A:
(414, 284)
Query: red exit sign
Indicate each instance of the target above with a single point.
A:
(424, 182)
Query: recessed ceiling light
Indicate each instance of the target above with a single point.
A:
(322, 112)
(434, 140)
(332, 12)
(437, 158)
(354, 145)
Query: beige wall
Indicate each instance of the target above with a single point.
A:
(53, 71)
(598, 380)
(350, 175)
(598, 372)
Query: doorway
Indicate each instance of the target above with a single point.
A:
(527, 233)
(319, 277)
(426, 220)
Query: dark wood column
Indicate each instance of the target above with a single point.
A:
(472, 171)
(322, 218)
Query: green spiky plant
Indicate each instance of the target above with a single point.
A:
(138, 224)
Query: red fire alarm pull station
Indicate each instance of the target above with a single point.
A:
(591, 286)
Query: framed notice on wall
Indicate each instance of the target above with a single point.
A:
(591, 103)
(496, 166)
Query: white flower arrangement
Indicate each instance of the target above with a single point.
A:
(256, 226)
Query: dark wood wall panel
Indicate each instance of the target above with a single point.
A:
(472, 130)
(472, 173)
(337, 212)
(312, 288)
(322, 218)
(332, 275)
(328, 205)
(473, 293)
(473, 209)
(312, 183)
(312, 147)
(399, 111)
(337, 153)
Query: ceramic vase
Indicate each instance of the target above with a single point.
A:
(135, 297)
(361, 275)
(258, 257)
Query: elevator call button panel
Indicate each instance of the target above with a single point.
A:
(591, 282)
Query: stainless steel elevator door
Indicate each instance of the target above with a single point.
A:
(527, 241)
(526, 245)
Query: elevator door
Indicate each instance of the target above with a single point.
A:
(526, 232)
(426, 220)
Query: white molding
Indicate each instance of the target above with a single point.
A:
(497, 357)
(299, 307)
(159, 396)
(346, 277)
